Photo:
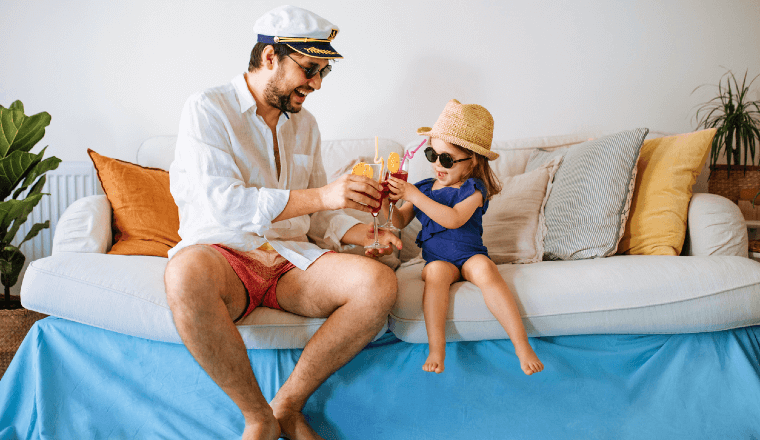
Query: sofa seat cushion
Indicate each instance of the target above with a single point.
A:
(125, 294)
(624, 294)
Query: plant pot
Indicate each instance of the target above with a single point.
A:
(729, 186)
(14, 325)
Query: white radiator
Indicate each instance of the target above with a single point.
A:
(67, 183)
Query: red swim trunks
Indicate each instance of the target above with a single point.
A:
(259, 270)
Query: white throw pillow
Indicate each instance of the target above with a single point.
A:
(514, 226)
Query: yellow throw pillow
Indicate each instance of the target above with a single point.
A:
(145, 217)
(667, 170)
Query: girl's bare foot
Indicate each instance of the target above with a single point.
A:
(434, 362)
(529, 362)
(293, 423)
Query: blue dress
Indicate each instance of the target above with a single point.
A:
(453, 245)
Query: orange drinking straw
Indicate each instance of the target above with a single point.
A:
(380, 161)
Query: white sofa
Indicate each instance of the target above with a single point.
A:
(711, 286)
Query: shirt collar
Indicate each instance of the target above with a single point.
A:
(245, 96)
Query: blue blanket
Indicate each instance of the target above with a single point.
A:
(72, 381)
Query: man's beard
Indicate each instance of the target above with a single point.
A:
(278, 98)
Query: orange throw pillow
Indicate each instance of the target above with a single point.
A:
(145, 217)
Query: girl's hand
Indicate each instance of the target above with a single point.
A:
(402, 190)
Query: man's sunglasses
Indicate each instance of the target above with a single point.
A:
(312, 71)
(446, 160)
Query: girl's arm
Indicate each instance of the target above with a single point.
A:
(449, 218)
(403, 215)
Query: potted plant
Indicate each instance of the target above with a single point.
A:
(22, 176)
(737, 120)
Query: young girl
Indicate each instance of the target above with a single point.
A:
(450, 208)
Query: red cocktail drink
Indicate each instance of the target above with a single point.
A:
(383, 194)
(403, 175)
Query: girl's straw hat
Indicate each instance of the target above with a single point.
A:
(469, 126)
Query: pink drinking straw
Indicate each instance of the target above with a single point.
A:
(409, 155)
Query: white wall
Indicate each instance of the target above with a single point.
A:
(114, 73)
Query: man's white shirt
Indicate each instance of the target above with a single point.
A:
(224, 177)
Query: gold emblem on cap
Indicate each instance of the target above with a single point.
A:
(333, 33)
(276, 39)
(322, 51)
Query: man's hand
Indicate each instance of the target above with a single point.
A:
(384, 237)
(362, 234)
(351, 191)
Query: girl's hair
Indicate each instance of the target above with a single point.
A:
(482, 170)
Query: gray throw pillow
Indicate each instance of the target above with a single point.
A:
(589, 204)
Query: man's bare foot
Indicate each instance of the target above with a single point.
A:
(528, 360)
(434, 362)
(293, 423)
(263, 429)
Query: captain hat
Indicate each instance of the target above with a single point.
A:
(303, 31)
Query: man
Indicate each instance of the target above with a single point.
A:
(249, 183)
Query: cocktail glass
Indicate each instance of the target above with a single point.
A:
(403, 174)
(376, 175)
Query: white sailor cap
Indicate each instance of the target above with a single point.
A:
(303, 31)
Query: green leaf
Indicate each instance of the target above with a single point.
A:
(40, 169)
(736, 118)
(36, 228)
(14, 168)
(10, 210)
(18, 131)
(11, 263)
(17, 105)
(36, 189)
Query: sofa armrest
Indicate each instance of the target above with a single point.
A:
(85, 226)
(715, 227)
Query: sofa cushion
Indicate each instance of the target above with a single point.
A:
(145, 217)
(590, 201)
(85, 226)
(716, 227)
(667, 170)
(514, 225)
(126, 294)
(625, 294)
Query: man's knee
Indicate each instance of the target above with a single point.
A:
(190, 271)
(382, 283)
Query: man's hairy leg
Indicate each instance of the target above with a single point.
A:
(355, 294)
(204, 294)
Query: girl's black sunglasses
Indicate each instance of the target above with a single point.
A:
(446, 160)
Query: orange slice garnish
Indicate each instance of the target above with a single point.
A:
(394, 162)
(359, 169)
(368, 171)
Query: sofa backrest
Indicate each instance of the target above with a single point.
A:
(340, 155)
(157, 152)
(513, 154)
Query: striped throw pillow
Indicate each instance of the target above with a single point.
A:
(589, 204)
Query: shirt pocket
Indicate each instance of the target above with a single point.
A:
(300, 171)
